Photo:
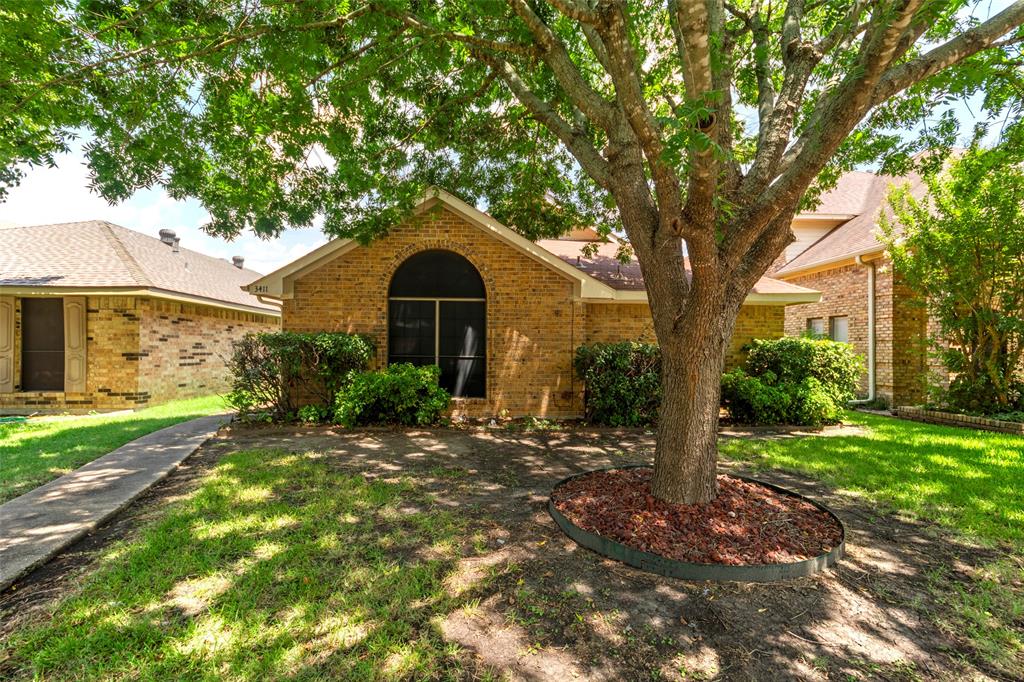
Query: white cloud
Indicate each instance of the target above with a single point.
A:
(61, 194)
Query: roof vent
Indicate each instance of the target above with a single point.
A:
(174, 245)
(167, 236)
(238, 262)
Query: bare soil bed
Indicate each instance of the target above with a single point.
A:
(747, 524)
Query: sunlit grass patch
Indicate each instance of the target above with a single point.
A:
(266, 571)
(960, 478)
(35, 452)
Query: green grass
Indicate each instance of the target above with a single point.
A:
(277, 566)
(35, 452)
(961, 478)
(969, 481)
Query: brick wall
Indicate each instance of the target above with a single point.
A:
(609, 322)
(184, 348)
(112, 346)
(533, 322)
(132, 363)
(900, 325)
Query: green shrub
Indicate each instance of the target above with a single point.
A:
(273, 371)
(622, 382)
(793, 359)
(400, 394)
(800, 381)
(754, 400)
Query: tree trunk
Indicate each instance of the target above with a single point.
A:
(687, 448)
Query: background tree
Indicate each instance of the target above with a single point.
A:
(961, 248)
(696, 122)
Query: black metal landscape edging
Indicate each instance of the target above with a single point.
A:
(673, 568)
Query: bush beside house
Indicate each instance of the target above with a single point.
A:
(800, 381)
(272, 372)
(401, 394)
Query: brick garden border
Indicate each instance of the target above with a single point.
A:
(919, 414)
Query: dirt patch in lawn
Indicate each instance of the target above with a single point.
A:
(746, 524)
(535, 606)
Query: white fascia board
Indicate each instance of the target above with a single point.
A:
(140, 292)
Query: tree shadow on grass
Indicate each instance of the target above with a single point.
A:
(418, 555)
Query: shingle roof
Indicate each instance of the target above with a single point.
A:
(605, 267)
(864, 195)
(96, 253)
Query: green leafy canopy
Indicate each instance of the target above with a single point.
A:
(272, 112)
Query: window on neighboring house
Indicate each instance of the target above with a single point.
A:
(839, 328)
(816, 326)
(437, 312)
(42, 344)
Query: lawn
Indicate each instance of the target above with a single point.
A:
(35, 452)
(278, 566)
(972, 481)
(391, 554)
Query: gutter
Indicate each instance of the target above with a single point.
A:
(856, 256)
(871, 330)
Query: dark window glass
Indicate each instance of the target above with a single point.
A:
(411, 329)
(462, 349)
(42, 344)
(451, 334)
(437, 274)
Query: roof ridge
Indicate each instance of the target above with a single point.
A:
(134, 269)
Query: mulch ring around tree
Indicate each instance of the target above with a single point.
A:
(747, 524)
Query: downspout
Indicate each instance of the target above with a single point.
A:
(871, 330)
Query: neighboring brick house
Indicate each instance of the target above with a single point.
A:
(502, 316)
(94, 316)
(837, 252)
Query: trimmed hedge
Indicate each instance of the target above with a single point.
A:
(399, 394)
(798, 381)
(792, 380)
(270, 371)
(623, 382)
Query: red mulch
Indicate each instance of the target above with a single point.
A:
(746, 524)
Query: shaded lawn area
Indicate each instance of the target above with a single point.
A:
(276, 565)
(35, 452)
(309, 553)
(972, 481)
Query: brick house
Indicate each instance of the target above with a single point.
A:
(837, 252)
(500, 314)
(94, 316)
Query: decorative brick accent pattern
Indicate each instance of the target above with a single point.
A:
(534, 324)
(184, 348)
(919, 414)
(128, 366)
(112, 346)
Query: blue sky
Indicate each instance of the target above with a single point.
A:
(61, 194)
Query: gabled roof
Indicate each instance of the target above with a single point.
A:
(99, 256)
(863, 195)
(600, 277)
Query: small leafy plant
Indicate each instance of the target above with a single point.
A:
(399, 394)
(623, 382)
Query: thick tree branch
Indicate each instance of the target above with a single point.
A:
(963, 46)
(555, 55)
(575, 139)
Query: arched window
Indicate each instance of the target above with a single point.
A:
(437, 311)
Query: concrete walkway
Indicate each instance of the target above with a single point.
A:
(44, 521)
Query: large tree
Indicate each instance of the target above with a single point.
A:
(696, 122)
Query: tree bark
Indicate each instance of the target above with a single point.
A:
(686, 453)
